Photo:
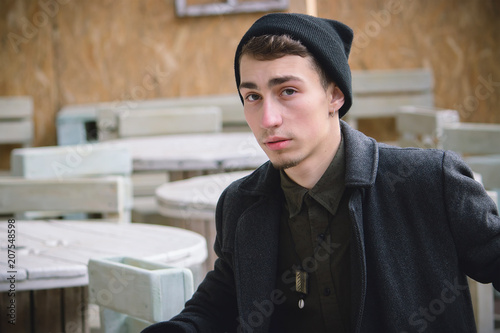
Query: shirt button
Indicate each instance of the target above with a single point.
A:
(326, 291)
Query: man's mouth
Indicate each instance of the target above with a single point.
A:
(277, 143)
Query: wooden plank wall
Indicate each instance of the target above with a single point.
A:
(65, 51)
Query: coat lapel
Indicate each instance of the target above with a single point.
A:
(256, 251)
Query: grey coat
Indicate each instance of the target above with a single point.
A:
(420, 224)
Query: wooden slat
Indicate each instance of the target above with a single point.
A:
(59, 162)
(21, 314)
(16, 131)
(418, 120)
(15, 107)
(74, 308)
(47, 314)
(71, 195)
(472, 138)
(383, 106)
(150, 122)
(90, 317)
(392, 81)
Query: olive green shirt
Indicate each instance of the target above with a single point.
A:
(315, 234)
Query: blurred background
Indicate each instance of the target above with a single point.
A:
(64, 52)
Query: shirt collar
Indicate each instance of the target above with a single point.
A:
(327, 191)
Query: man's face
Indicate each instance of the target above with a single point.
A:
(289, 110)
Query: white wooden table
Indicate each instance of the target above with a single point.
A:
(215, 152)
(48, 279)
(191, 204)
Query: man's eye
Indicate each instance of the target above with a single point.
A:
(288, 92)
(252, 97)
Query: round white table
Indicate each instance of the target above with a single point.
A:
(191, 204)
(45, 273)
(188, 152)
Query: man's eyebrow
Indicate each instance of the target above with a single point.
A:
(282, 79)
(272, 82)
(248, 85)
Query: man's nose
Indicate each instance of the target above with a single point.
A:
(271, 114)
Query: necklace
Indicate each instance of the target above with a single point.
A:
(302, 275)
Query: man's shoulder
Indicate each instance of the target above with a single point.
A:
(389, 153)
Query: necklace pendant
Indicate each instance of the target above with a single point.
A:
(301, 286)
(301, 281)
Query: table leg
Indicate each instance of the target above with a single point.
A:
(48, 310)
(15, 312)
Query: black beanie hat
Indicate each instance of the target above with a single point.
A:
(328, 41)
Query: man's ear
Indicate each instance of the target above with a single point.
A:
(336, 97)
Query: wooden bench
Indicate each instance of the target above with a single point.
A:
(479, 144)
(116, 123)
(58, 163)
(159, 292)
(16, 120)
(472, 138)
(106, 196)
(71, 161)
(77, 124)
(379, 93)
(423, 126)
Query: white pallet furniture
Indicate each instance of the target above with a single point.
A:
(472, 138)
(159, 292)
(71, 161)
(423, 126)
(16, 120)
(75, 161)
(183, 156)
(51, 267)
(379, 93)
(76, 123)
(194, 152)
(107, 196)
(137, 122)
(479, 144)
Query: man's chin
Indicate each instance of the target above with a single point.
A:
(283, 165)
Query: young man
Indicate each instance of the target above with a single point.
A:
(336, 233)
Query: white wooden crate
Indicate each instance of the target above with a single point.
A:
(154, 292)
